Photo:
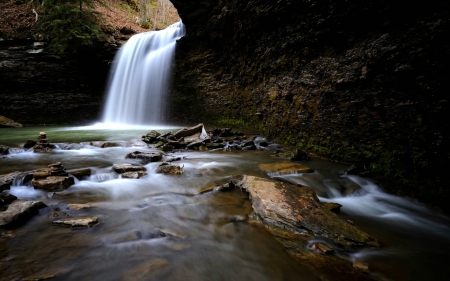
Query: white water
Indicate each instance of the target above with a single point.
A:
(140, 78)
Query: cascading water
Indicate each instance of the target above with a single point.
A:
(141, 76)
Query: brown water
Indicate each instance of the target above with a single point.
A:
(203, 240)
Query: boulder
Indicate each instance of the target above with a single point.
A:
(297, 210)
(53, 183)
(6, 122)
(80, 173)
(151, 137)
(111, 144)
(123, 168)
(133, 175)
(19, 212)
(166, 168)
(77, 222)
(29, 144)
(285, 168)
(146, 157)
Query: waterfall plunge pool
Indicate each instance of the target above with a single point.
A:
(204, 243)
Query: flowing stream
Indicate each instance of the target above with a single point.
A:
(140, 77)
(202, 240)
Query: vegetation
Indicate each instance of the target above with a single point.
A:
(71, 24)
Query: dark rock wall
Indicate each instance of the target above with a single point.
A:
(41, 88)
(357, 81)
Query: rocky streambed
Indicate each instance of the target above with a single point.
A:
(190, 203)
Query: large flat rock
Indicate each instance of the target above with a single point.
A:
(77, 222)
(53, 183)
(19, 212)
(298, 210)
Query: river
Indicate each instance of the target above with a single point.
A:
(161, 227)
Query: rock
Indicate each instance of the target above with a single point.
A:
(127, 31)
(146, 157)
(133, 175)
(111, 144)
(168, 147)
(29, 144)
(19, 212)
(4, 150)
(285, 168)
(151, 137)
(40, 174)
(78, 206)
(40, 277)
(321, 248)
(71, 146)
(361, 265)
(6, 199)
(145, 270)
(300, 155)
(189, 131)
(295, 209)
(57, 169)
(331, 206)
(6, 122)
(166, 168)
(77, 222)
(80, 173)
(58, 214)
(53, 183)
(123, 168)
(6, 180)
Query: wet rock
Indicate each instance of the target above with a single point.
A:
(185, 132)
(54, 183)
(321, 248)
(29, 144)
(80, 173)
(40, 174)
(300, 155)
(285, 168)
(6, 199)
(78, 206)
(151, 137)
(112, 144)
(168, 147)
(123, 168)
(133, 175)
(6, 122)
(77, 222)
(57, 169)
(146, 157)
(6, 180)
(166, 168)
(361, 265)
(295, 209)
(71, 146)
(42, 144)
(331, 206)
(4, 150)
(226, 187)
(19, 212)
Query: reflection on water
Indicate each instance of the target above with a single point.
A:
(159, 227)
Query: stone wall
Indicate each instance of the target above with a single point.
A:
(356, 81)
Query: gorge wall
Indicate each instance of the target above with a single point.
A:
(355, 81)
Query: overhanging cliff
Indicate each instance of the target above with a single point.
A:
(354, 81)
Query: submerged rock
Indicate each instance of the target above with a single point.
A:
(4, 150)
(123, 168)
(285, 168)
(19, 212)
(286, 207)
(78, 206)
(77, 222)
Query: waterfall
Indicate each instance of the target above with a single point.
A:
(140, 78)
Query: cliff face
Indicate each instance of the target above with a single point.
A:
(362, 81)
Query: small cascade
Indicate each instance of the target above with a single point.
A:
(140, 78)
